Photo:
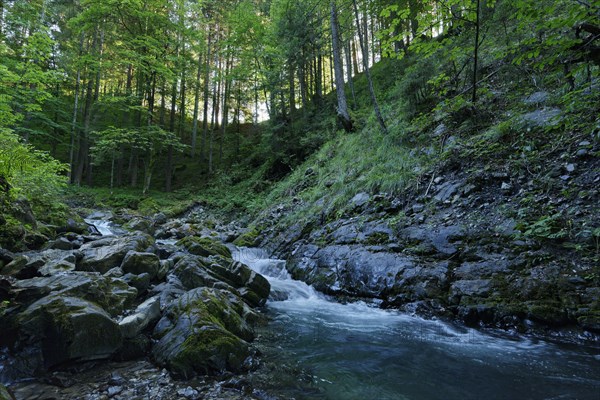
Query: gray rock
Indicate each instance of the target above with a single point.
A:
(106, 253)
(360, 199)
(139, 263)
(69, 329)
(440, 130)
(541, 118)
(110, 293)
(537, 98)
(446, 191)
(61, 243)
(474, 287)
(145, 314)
(203, 332)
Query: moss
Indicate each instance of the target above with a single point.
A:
(209, 349)
(11, 233)
(247, 239)
(378, 238)
(203, 246)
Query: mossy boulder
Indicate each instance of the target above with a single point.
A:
(68, 329)
(203, 246)
(204, 331)
(248, 239)
(138, 263)
(113, 294)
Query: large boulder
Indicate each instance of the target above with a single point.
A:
(139, 263)
(113, 294)
(68, 329)
(223, 273)
(204, 331)
(106, 253)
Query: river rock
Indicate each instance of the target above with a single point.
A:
(112, 294)
(144, 315)
(68, 329)
(139, 263)
(203, 332)
(471, 288)
(203, 246)
(104, 254)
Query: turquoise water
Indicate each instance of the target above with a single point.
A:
(320, 349)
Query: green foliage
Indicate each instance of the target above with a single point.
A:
(30, 173)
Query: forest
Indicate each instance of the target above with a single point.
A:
(435, 158)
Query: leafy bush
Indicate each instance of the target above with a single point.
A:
(29, 173)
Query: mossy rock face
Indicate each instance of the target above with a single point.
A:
(247, 239)
(203, 246)
(549, 313)
(205, 331)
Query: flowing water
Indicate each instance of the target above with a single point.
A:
(356, 351)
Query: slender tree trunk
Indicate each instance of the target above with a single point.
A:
(75, 112)
(319, 79)
(476, 52)
(163, 104)
(365, 57)
(206, 93)
(196, 106)
(1, 18)
(349, 72)
(354, 57)
(342, 107)
(292, 87)
(226, 94)
(303, 91)
(125, 122)
(83, 153)
(169, 167)
(214, 118)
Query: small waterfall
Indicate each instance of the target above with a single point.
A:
(357, 351)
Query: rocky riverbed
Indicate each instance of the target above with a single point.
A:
(83, 302)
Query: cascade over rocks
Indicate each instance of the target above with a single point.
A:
(455, 249)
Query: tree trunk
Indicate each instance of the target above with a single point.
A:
(349, 72)
(196, 106)
(206, 93)
(365, 57)
(226, 94)
(75, 112)
(83, 153)
(342, 108)
(169, 166)
(476, 52)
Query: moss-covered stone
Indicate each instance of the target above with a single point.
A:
(203, 246)
(247, 239)
(205, 331)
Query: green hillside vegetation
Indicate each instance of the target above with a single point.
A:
(106, 100)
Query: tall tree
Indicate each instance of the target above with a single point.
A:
(342, 105)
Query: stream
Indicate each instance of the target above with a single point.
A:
(329, 350)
